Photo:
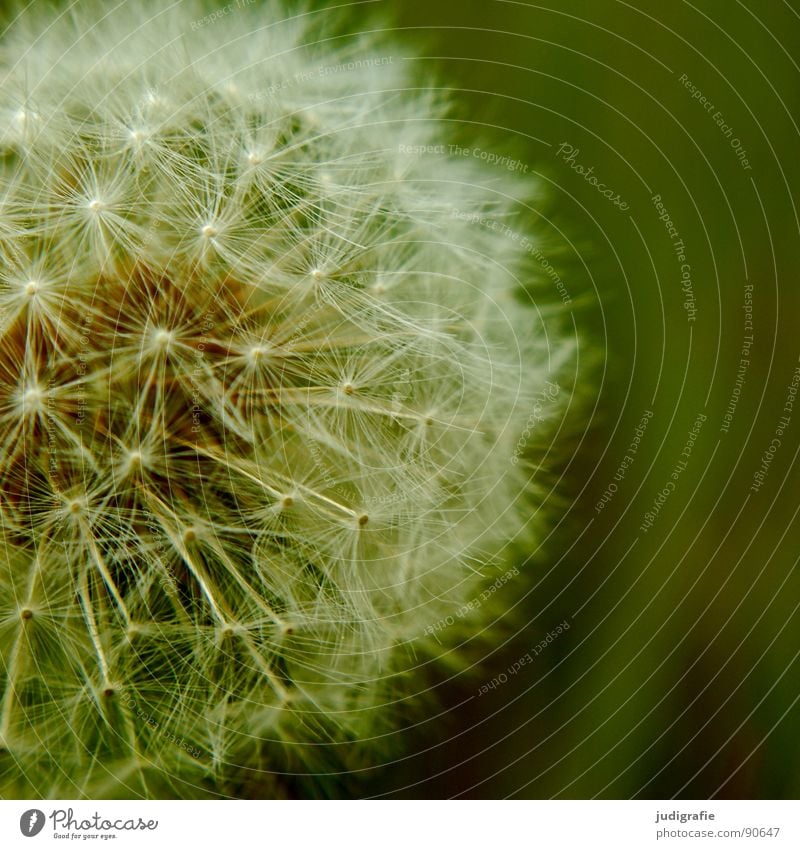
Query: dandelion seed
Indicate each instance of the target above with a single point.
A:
(261, 381)
(32, 399)
(162, 338)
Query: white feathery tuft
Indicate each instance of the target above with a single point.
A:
(261, 387)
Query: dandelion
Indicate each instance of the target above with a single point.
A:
(224, 527)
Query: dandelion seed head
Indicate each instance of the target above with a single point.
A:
(262, 379)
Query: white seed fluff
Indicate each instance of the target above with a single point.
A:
(263, 376)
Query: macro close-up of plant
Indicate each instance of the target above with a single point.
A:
(268, 368)
(399, 403)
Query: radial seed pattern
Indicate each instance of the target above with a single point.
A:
(261, 379)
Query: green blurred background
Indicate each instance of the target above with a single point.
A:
(679, 675)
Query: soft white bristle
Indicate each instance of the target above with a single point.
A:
(261, 391)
